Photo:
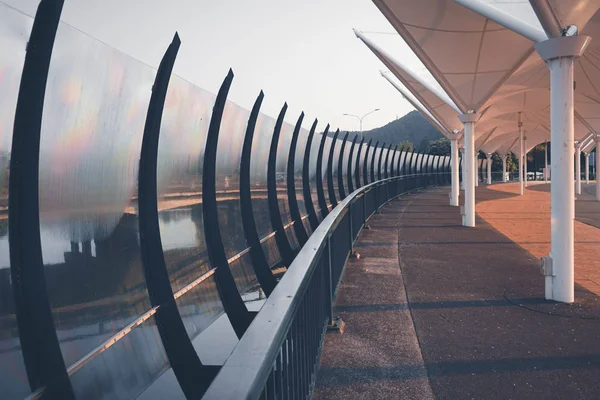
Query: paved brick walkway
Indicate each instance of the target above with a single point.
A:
(433, 309)
(526, 221)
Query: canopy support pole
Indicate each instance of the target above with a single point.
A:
(559, 54)
(587, 168)
(489, 168)
(454, 194)
(476, 158)
(504, 157)
(546, 162)
(577, 168)
(469, 120)
(520, 125)
(463, 166)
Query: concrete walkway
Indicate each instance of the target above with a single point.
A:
(433, 309)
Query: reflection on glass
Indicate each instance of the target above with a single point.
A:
(14, 33)
(93, 120)
(312, 171)
(298, 163)
(263, 133)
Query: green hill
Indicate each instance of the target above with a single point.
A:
(412, 127)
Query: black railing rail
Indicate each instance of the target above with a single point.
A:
(278, 355)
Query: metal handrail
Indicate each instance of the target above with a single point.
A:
(245, 373)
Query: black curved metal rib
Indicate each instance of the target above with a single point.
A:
(234, 306)
(387, 162)
(301, 233)
(283, 244)
(263, 272)
(380, 162)
(366, 164)
(350, 183)
(320, 191)
(193, 377)
(357, 168)
(409, 163)
(393, 167)
(400, 166)
(310, 208)
(340, 171)
(330, 184)
(424, 163)
(41, 351)
(373, 162)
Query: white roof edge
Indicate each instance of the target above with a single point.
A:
(419, 106)
(506, 20)
(442, 96)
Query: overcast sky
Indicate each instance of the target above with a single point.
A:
(303, 52)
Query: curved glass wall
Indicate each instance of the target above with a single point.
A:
(95, 109)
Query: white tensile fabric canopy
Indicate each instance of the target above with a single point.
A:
(482, 66)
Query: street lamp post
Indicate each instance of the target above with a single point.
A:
(360, 119)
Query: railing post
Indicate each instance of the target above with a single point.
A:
(351, 230)
(334, 325)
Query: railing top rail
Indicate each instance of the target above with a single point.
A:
(247, 368)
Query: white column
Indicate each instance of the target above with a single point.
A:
(525, 160)
(469, 121)
(504, 157)
(454, 193)
(587, 168)
(559, 54)
(462, 154)
(577, 168)
(520, 125)
(489, 168)
(546, 162)
(476, 169)
(597, 141)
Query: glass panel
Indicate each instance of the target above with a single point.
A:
(324, 172)
(377, 154)
(345, 166)
(184, 126)
(298, 165)
(283, 151)
(93, 121)
(125, 369)
(336, 157)
(14, 33)
(403, 169)
(229, 150)
(263, 133)
(352, 159)
(314, 153)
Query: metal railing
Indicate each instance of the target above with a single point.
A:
(278, 355)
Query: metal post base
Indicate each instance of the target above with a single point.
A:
(355, 254)
(337, 326)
